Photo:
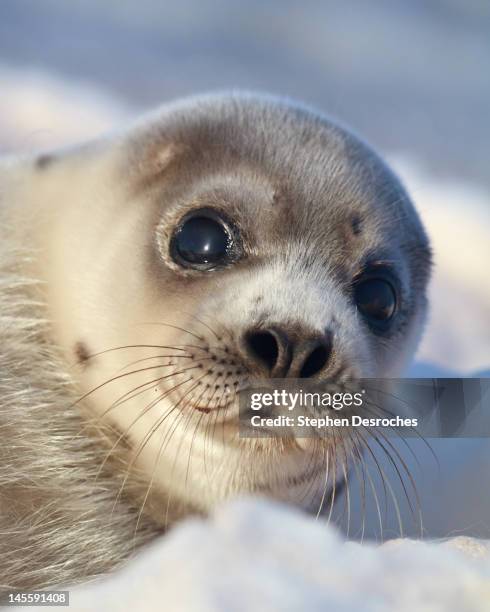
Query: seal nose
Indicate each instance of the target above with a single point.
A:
(276, 353)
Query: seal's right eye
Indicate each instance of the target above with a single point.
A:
(203, 240)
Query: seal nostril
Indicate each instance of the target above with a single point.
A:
(314, 362)
(262, 345)
(273, 350)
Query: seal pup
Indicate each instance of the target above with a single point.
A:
(146, 278)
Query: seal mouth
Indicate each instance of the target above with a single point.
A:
(208, 409)
(199, 401)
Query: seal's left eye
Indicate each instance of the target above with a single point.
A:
(203, 240)
(376, 299)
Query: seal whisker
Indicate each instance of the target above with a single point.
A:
(149, 434)
(144, 359)
(361, 477)
(325, 486)
(225, 329)
(131, 394)
(196, 429)
(310, 471)
(334, 483)
(387, 481)
(400, 458)
(344, 466)
(132, 346)
(381, 475)
(208, 327)
(113, 379)
(412, 429)
(167, 435)
(409, 475)
(207, 434)
(142, 413)
(177, 327)
(150, 384)
(359, 444)
(190, 416)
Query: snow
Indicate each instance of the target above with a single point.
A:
(253, 555)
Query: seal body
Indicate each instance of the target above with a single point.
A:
(157, 272)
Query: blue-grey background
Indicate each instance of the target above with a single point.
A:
(412, 74)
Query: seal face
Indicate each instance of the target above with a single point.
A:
(223, 239)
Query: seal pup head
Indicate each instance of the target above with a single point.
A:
(221, 239)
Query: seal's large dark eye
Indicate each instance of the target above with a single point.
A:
(203, 241)
(376, 299)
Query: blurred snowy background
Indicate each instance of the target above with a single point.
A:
(411, 77)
